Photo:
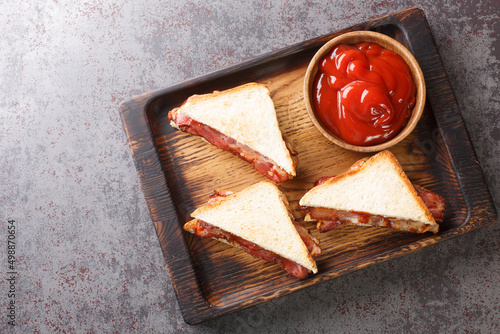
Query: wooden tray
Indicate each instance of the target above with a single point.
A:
(178, 172)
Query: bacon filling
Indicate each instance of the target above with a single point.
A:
(261, 163)
(206, 230)
(433, 201)
(329, 219)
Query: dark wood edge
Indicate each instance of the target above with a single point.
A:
(452, 128)
(157, 194)
(447, 115)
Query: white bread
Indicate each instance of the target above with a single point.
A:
(245, 113)
(377, 186)
(259, 214)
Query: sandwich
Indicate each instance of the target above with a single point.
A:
(259, 221)
(373, 192)
(242, 121)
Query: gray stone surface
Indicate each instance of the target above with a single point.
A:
(88, 258)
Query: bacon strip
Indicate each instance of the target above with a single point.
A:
(322, 180)
(311, 242)
(261, 163)
(328, 219)
(206, 230)
(217, 195)
(432, 201)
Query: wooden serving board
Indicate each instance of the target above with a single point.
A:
(178, 172)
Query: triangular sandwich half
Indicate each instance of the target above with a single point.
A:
(258, 220)
(243, 121)
(373, 192)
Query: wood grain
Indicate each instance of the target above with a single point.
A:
(178, 171)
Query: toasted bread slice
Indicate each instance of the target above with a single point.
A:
(245, 113)
(376, 186)
(259, 214)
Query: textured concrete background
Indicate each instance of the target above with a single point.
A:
(87, 255)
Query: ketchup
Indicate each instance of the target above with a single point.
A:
(363, 93)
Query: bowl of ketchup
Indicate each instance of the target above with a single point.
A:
(364, 91)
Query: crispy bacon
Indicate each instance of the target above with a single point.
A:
(206, 230)
(261, 163)
(322, 180)
(328, 219)
(217, 195)
(311, 242)
(433, 201)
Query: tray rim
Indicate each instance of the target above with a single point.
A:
(136, 107)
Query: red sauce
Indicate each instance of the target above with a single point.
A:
(363, 93)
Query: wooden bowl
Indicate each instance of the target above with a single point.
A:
(387, 43)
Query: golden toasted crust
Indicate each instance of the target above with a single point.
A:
(196, 98)
(190, 226)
